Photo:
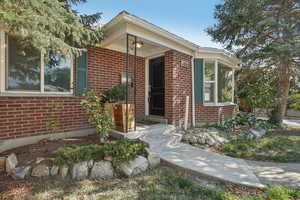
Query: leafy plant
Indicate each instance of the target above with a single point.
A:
(125, 150)
(70, 155)
(294, 101)
(93, 104)
(118, 151)
(281, 193)
(115, 94)
(53, 122)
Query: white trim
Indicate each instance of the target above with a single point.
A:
(193, 92)
(216, 100)
(146, 86)
(216, 82)
(3, 76)
(42, 75)
(2, 61)
(219, 104)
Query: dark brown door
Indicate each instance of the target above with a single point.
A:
(157, 86)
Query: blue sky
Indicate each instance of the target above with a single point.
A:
(186, 18)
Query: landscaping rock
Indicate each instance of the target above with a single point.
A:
(90, 164)
(20, 172)
(54, 170)
(63, 171)
(39, 160)
(40, 170)
(256, 133)
(80, 171)
(10, 163)
(132, 168)
(102, 169)
(153, 159)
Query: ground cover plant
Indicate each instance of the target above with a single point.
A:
(116, 151)
(279, 148)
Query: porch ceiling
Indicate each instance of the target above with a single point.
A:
(148, 49)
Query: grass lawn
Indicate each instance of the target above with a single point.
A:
(278, 148)
(159, 184)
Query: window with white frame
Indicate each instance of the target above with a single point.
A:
(26, 69)
(218, 82)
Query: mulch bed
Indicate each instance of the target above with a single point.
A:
(42, 149)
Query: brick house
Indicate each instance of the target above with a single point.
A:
(169, 69)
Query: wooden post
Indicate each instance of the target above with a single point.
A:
(186, 117)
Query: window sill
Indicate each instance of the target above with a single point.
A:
(34, 94)
(218, 104)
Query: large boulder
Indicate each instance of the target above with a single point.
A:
(102, 169)
(11, 163)
(80, 171)
(20, 172)
(256, 133)
(54, 170)
(40, 170)
(153, 159)
(134, 167)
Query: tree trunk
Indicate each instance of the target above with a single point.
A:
(282, 94)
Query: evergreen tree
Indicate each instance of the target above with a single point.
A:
(262, 32)
(50, 24)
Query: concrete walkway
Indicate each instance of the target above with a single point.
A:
(166, 143)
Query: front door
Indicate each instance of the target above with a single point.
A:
(157, 86)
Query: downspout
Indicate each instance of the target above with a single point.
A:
(193, 92)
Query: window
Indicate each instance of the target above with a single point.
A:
(28, 70)
(218, 82)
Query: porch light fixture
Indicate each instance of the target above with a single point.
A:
(138, 44)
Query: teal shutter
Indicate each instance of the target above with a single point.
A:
(198, 81)
(81, 73)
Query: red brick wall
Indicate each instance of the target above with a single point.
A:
(27, 116)
(105, 68)
(210, 114)
(178, 85)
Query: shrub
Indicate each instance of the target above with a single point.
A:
(281, 193)
(94, 107)
(294, 102)
(125, 150)
(69, 155)
(119, 151)
(115, 94)
(246, 120)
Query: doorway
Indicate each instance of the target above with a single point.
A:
(157, 86)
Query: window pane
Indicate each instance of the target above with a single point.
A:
(225, 83)
(209, 71)
(57, 73)
(23, 66)
(209, 92)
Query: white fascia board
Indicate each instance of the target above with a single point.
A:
(221, 57)
(158, 39)
(155, 29)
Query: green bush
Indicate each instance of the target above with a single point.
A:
(93, 104)
(294, 102)
(246, 120)
(119, 151)
(69, 155)
(125, 150)
(281, 193)
(115, 94)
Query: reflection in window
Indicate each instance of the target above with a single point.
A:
(23, 66)
(225, 83)
(57, 73)
(209, 92)
(209, 71)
